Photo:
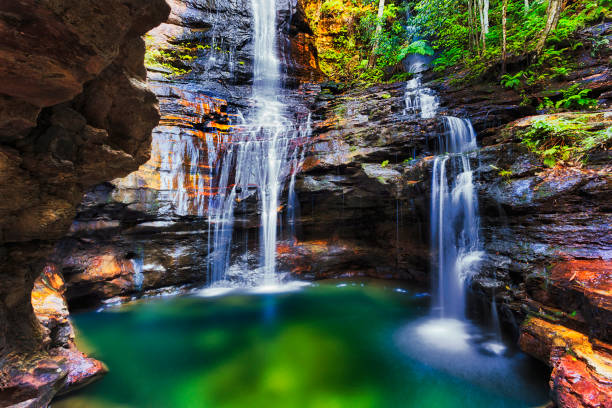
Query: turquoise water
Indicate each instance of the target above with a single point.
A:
(325, 346)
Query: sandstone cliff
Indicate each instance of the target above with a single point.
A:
(74, 111)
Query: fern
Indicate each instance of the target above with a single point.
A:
(512, 81)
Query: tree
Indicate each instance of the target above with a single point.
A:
(553, 12)
(379, 21)
(526, 9)
(483, 12)
(504, 20)
(473, 40)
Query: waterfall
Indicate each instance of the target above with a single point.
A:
(455, 224)
(454, 218)
(419, 98)
(260, 155)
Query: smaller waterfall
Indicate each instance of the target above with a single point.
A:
(419, 98)
(454, 218)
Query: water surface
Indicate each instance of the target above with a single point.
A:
(331, 345)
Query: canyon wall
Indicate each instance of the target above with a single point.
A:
(74, 111)
(364, 191)
(149, 232)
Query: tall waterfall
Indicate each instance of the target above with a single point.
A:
(454, 218)
(264, 151)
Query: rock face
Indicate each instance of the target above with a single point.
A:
(582, 369)
(149, 231)
(74, 111)
(364, 191)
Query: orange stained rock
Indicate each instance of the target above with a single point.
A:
(320, 242)
(219, 126)
(310, 162)
(284, 249)
(584, 274)
(107, 266)
(540, 337)
(575, 385)
(52, 278)
(582, 375)
(48, 296)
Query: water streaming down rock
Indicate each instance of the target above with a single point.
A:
(187, 159)
(264, 151)
(419, 99)
(455, 226)
(454, 218)
(208, 172)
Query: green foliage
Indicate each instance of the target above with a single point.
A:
(575, 97)
(420, 47)
(402, 76)
(571, 98)
(565, 139)
(512, 81)
(384, 164)
(176, 58)
(347, 39)
(598, 44)
(332, 7)
(505, 174)
(445, 25)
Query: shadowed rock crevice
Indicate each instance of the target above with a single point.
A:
(74, 111)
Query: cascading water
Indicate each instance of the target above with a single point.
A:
(454, 218)
(454, 204)
(208, 172)
(455, 241)
(420, 99)
(264, 151)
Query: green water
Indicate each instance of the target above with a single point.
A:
(322, 347)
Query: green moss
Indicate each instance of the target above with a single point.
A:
(566, 139)
(175, 58)
(340, 110)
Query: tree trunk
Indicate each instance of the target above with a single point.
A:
(526, 9)
(483, 11)
(504, 11)
(472, 25)
(553, 12)
(379, 17)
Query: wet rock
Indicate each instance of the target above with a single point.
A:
(149, 230)
(33, 380)
(58, 58)
(585, 287)
(581, 370)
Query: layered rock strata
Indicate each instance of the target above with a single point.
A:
(149, 231)
(74, 111)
